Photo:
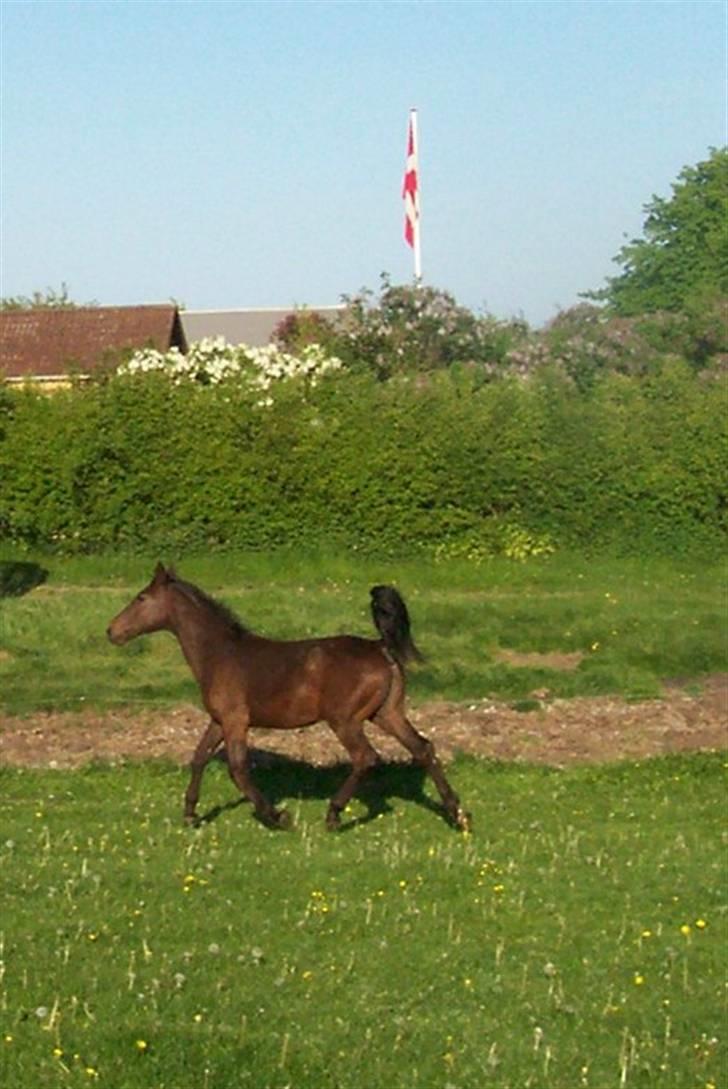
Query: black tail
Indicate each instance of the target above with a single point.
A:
(393, 624)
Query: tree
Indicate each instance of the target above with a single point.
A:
(50, 299)
(681, 262)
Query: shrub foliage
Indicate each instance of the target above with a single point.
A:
(442, 462)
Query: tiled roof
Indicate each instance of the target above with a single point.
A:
(253, 327)
(45, 342)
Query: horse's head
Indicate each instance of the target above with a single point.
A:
(149, 611)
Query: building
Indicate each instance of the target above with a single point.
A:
(254, 327)
(49, 345)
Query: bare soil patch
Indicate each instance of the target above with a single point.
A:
(558, 732)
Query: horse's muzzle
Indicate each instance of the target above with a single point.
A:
(116, 637)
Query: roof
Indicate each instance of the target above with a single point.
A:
(250, 326)
(48, 342)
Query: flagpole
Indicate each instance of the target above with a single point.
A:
(417, 246)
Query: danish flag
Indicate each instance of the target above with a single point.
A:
(410, 188)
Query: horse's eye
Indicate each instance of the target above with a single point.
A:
(141, 596)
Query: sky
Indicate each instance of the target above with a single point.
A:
(238, 154)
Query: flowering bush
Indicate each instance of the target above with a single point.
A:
(416, 329)
(212, 361)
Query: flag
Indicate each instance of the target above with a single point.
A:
(410, 187)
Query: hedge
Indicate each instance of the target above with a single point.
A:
(436, 463)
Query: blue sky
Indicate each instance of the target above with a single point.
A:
(251, 154)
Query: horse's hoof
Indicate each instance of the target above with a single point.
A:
(190, 819)
(333, 821)
(282, 819)
(463, 820)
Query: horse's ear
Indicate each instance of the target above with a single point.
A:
(171, 573)
(160, 574)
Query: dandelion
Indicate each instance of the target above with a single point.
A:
(701, 924)
(685, 929)
(92, 1072)
(646, 933)
(141, 1045)
(197, 1018)
(638, 979)
(58, 1052)
(8, 1038)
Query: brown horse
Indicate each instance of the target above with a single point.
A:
(246, 680)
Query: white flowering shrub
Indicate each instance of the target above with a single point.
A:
(212, 361)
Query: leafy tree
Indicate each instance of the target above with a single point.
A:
(682, 259)
(50, 299)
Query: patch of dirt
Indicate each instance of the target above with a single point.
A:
(558, 732)
(534, 660)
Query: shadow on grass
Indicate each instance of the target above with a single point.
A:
(18, 578)
(281, 778)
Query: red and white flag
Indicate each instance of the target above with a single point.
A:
(411, 193)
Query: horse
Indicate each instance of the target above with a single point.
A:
(247, 680)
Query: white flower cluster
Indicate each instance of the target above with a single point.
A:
(212, 361)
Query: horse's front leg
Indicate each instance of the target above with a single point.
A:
(236, 743)
(206, 747)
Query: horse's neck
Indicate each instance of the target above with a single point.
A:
(196, 633)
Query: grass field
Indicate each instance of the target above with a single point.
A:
(576, 938)
(634, 623)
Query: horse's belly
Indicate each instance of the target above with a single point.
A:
(285, 711)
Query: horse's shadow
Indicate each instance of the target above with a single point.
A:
(282, 778)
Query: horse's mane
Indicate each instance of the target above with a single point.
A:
(202, 600)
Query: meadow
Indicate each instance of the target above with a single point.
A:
(576, 938)
(633, 622)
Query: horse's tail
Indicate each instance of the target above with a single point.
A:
(393, 624)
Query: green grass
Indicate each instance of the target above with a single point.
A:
(576, 938)
(635, 623)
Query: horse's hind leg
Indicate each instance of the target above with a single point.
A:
(396, 723)
(363, 757)
(206, 746)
